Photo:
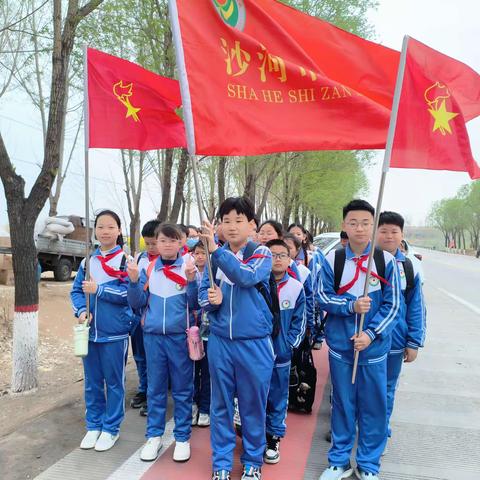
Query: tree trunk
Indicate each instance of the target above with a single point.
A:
(250, 178)
(222, 167)
(181, 176)
(166, 184)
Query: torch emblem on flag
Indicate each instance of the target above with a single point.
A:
(436, 97)
(123, 94)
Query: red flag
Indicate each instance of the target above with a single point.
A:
(264, 77)
(439, 94)
(130, 107)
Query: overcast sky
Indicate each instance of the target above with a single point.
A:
(450, 27)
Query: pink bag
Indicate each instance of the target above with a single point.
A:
(195, 344)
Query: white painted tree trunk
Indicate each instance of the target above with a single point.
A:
(24, 353)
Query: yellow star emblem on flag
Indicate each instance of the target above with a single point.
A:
(436, 97)
(123, 94)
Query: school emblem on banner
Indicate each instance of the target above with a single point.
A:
(373, 281)
(232, 12)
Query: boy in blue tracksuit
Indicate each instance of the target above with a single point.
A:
(291, 332)
(111, 320)
(166, 291)
(138, 349)
(240, 349)
(364, 404)
(409, 333)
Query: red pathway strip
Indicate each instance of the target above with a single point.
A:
(295, 448)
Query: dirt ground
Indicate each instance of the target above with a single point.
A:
(60, 373)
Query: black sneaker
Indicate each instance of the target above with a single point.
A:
(144, 410)
(138, 400)
(272, 450)
(221, 475)
(251, 473)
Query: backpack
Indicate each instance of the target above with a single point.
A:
(303, 379)
(409, 275)
(269, 293)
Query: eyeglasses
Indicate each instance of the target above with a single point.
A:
(280, 256)
(355, 225)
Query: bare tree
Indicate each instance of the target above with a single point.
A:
(23, 210)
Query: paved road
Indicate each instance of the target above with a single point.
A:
(436, 424)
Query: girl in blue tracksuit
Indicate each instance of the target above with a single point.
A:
(363, 404)
(291, 333)
(409, 333)
(240, 348)
(166, 291)
(111, 320)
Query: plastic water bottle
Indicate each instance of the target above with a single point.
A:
(195, 344)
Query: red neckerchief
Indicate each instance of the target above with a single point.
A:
(183, 251)
(151, 257)
(110, 271)
(174, 277)
(291, 273)
(280, 285)
(360, 267)
(257, 255)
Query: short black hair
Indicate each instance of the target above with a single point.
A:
(149, 228)
(277, 242)
(343, 235)
(357, 204)
(242, 205)
(296, 241)
(170, 230)
(193, 227)
(183, 228)
(198, 245)
(277, 226)
(257, 223)
(391, 218)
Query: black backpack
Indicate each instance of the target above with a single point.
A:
(409, 275)
(303, 379)
(269, 293)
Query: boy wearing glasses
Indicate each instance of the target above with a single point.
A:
(341, 286)
(293, 322)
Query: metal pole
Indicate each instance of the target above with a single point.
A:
(188, 115)
(87, 187)
(385, 168)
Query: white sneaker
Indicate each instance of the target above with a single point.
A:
(203, 420)
(106, 441)
(90, 439)
(151, 448)
(181, 452)
(194, 414)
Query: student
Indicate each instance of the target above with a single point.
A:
(166, 291)
(240, 350)
(292, 331)
(304, 256)
(305, 277)
(269, 230)
(202, 394)
(138, 350)
(111, 320)
(409, 333)
(343, 240)
(184, 234)
(364, 404)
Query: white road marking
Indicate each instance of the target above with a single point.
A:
(134, 468)
(469, 305)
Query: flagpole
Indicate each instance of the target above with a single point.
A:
(87, 185)
(385, 169)
(188, 117)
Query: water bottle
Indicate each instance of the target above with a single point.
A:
(195, 344)
(80, 339)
